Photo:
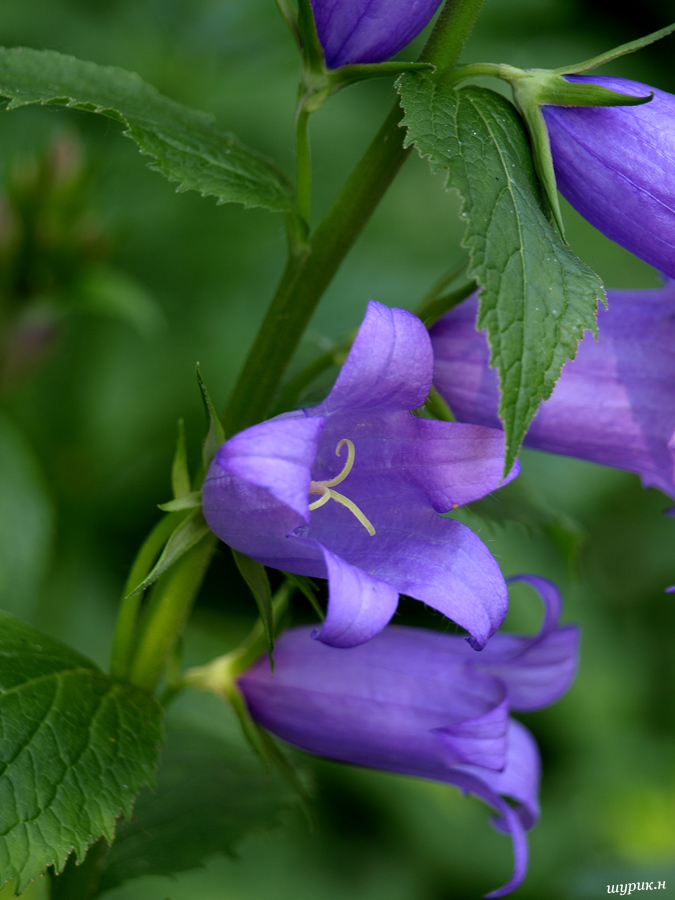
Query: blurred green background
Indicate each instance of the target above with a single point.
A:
(126, 284)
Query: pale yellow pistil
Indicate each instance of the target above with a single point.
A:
(325, 488)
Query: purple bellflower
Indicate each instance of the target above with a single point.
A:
(270, 492)
(422, 703)
(614, 403)
(368, 31)
(616, 166)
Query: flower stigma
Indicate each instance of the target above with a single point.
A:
(325, 488)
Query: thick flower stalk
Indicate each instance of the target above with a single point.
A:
(616, 166)
(423, 703)
(614, 403)
(368, 31)
(351, 490)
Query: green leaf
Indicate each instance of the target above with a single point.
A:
(209, 795)
(185, 145)
(255, 576)
(190, 531)
(537, 298)
(308, 589)
(76, 747)
(215, 435)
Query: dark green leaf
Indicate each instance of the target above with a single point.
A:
(209, 796)
(255, 576)
(308, 589)
(184, 144)
(190, 531)
(76, 747)
(537, 298)
(215, 436)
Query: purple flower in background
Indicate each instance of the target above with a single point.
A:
(616, 166)
(614, 403)
(423, 703)
(271, 492)
(368, 31)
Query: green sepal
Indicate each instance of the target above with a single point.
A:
(255, 576)
(313, 57)
(180, 474)
(190, 531)
(308, 589)
(622, 50)
(215, 435)
(186, 501)
(289, 16)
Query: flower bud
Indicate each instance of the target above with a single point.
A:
(368, 31)
(616, 166)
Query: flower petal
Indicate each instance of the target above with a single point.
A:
(359, 605)
(519, 780)
(453, 462)
(368, 31)
(614, 403)
(276, 455)
(436, 560)
(480, 741)
(390, 364)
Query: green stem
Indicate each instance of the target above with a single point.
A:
(432, 309)
(452, 30)
(129, 607)
(303, 163)
(167, 614)
(306, 278)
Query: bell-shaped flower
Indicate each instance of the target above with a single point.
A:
(616, 166)
(423, 703)
(614, 403)
(368, 31)
(351, 490)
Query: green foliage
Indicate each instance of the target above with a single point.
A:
(255, 576)
(215, 435)
(185, 536)
(185, 145)
(76, 747)
(209, 795)
(26, 521)
(537, 298)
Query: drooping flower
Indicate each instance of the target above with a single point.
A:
(368, 31)
(379, 534)
(614, 403)
(423, 703)
(616, 166)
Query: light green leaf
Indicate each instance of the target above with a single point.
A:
(255, 576)
(75, 745)
(190, 531)
(209, 795)
(537, 298)
(185, 145)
